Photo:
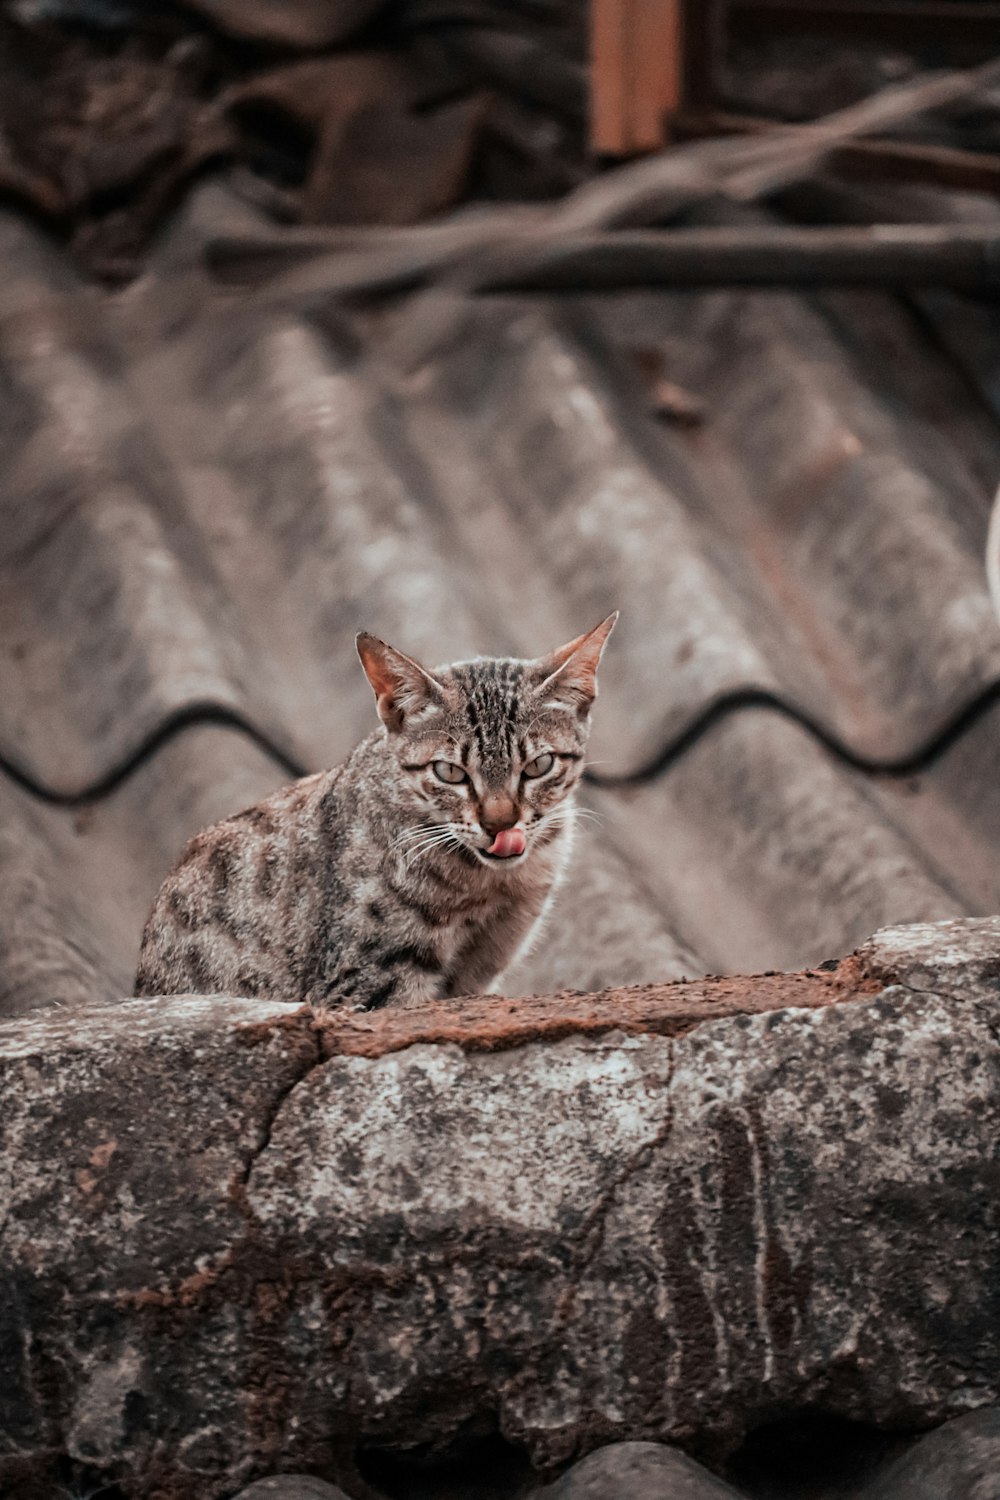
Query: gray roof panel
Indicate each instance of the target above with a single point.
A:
(205, 494)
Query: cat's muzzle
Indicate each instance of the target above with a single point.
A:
(508, 844)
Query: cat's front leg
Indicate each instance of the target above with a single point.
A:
(488, 949)
(396, 974)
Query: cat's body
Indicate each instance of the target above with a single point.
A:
(381, 882)
(349, 918)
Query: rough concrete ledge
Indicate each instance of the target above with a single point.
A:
(236, 1237)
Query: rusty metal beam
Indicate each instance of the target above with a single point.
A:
(636, 56)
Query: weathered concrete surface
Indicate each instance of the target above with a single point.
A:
(236, 1238)
(960, 1461)
(640, 1471)
(291, 1487)
(946, 958)
(125, 1135)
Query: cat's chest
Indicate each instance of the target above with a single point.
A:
(468, 923)
(498, 919)
(454, 930)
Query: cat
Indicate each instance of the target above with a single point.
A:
(417, 869)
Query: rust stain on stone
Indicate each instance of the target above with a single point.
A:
(491, 1023)
(101, 1155)
(185, 1293)
(254, 1033)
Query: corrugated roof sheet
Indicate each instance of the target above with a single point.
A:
(205, 495)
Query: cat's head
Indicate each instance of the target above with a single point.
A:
(488, 751)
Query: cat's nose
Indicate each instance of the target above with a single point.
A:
(497, 814)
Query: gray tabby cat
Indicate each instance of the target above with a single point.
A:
(417, 869)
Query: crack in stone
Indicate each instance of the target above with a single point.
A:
(592, 1229)
(987, 1010)
(590, 1233)
(270, 1122)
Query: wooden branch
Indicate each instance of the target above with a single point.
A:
(765, 255)
(749, 169)
(503, 247)
(345, 260)
(893, 255)
(937, 166)
(903, 161)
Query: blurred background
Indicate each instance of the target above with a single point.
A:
(466, 323)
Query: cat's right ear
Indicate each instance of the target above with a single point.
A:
(570, 674)
(402, 687)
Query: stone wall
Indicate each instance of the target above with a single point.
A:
(239, 1237)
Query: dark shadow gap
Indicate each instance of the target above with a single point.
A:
(487, 1467)
(65, 1479)
(811, 1456)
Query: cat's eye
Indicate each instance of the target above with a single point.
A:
(445, 771)
(540, 765)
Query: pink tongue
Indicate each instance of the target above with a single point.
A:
(507, 842)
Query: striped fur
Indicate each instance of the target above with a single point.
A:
(370, 885)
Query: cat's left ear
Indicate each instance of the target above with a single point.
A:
(402, 687)
(569, 675)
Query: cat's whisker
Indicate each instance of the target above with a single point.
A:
(409, 844)
(566, 817)
(412, 858)
(420, 854)
(562, 815)
(417, 830)
(586, 812)
(428, 843)
(441, 831)
(434, 838)
(436, 841)
(429, 839)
